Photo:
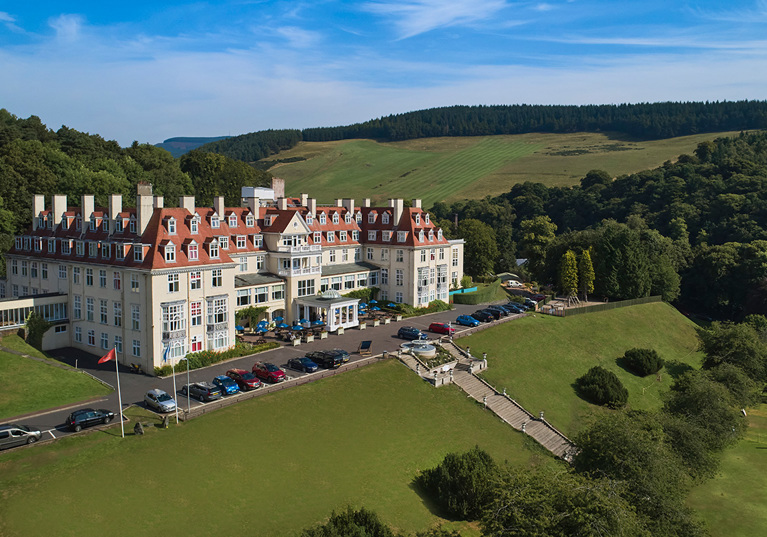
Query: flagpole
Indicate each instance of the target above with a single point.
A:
(119, 394)
(174, 391)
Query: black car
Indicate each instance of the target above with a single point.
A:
(85, 417)
(483, 316)
(515, 307)
(411, 333)
(303, 364)
(326, 359)
(341, 353)
(502, 312)
(203, 391)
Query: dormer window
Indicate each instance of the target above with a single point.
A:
(309, 219)
(192, 252)
(385, 218)
(106, 250)
(387, 235)
(358, 217)
(258, 241)
(214, 249)
(170, 253)
(250, 221)
(335, 218)
(417, 219)
(138, 252)
(215, 222)
(92, 249)
(420, 236)
(118, 224)
(223, 243)
(331, 236)
(132, 225)
(79, 223)
(431, 235)
(240, 242)
(120, 252)
(194, 224)
(38, 244)
(317, 237)
(426, 218)
(268, 219)
(401, 236)
(49, 221)
(27, 243)
(371, 235)
(18, 243)
(323, 219)
(348, 218)
(371, 218)
(51, 246)
(66, 246)
(172, 226)
(232, 220)
(342, 236)
(92, 224)
(105, 224)
(439, 234)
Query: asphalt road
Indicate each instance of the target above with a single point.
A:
(134, 386)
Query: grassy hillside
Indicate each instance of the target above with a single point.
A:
(735, 502)
(450, 168)
(537, 359)
(30, 385)
(268, 466)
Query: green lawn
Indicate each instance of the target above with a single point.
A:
(734, 504)
(268, 466)
(29, 385)
(537, 359)
(452, 168)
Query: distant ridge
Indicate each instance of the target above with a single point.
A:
(182, 144)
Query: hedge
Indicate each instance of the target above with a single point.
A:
(482, 296)
(201, 359)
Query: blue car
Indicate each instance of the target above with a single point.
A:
(303, 364)
(411, 333)
(467, 320)
(226, 385)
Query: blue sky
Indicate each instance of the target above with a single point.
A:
(149, 70)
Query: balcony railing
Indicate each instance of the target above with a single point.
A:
(299, 271)
(300, 249)
(217, 327)
(174, 334)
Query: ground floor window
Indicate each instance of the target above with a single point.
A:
(218, 340)
(78, 334)
(196, 344)
(136, 348)
(92, 338)
(119, 344)
(398, 297)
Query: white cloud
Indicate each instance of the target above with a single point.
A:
(67, 26)
(5, 17)
(298, 37)
(413, 17)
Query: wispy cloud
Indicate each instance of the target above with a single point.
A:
(67, 27)
(678, 42)
(299, 37)
(414, 17)
(10, 22)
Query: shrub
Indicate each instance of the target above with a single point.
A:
(357, 523)
(643, 362)
(462, 484)
(466, 281)
(602, 387)
(201, 359)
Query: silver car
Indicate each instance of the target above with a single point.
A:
(17, 435)
(159, 401)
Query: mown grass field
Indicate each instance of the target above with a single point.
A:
(734, 504)
(29, 385)
(537, 359)
(452, 168)
(270, 466)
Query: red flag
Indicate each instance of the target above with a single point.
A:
(108, 356)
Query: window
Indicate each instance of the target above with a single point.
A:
(362, 279)
(120, 252)
(243, 264)
(38, 244)
(439, 234)
(117, 311)
(371, 235)
(18, 243)
(116, 280)
(44, 270)
(305, 287)
(324, 285)
(349, 281)
(386, 235)
(170, 254)
(342, 236)
(195, 280)
(14, 267)
(173, 319)
(24, 268)
(223, 243)
(135, 316)
(66, 247)
(217, 278)
(432, 273)
(420, 236)
(371, 217)
(119, 344)
(90, 306)
(62, 272)
(344, 255)
(373, 278)
(423, 256)
(173, 283)
(193, 223)
(384, 276)
(15, 289)
(241, 242)
(323, 219)
(417, 219)
(317, 237)
(455, 257)
(426, 218)
(77, 306)
(104, 340)
(278, 292)
(92, 249)
(76, 275)
(260, 295)
(33, 269)
(309, 219)
(215, 223)
(258, 241)
(217, 310)
(441, 254)
(370, 254)
(260, 262)
(250, 221)
(335, 218)
(331, 236)
(103, 316)
(336, 282)
(51, 246)
(92, 338)
(196, 344)
(399, 278)
(219, 340)
(136, 348)
(358, 217)
(400, 256)
(385, 218)
(193, 252)
(78, 334)
(384, 254)
(232, 220)
(118, 224)
(401, 236)
(348, 218)
(103, 279)
(106, 250)
(355, 235)
(332, 256)
(195, 313)
(132, 224)
(138, 252)
(214, 249)
(134, 283)
(243, 297)
(384, 295)
(398, 297)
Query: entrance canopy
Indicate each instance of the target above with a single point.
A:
(329, 307)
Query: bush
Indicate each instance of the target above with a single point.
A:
(201, 359)
(462, 484)
(466, 281)
(643, 362)
(357, 523)
(434, 306)
(602, 387)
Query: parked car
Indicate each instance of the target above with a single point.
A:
(495, 315)
(325, 359)
(514, 284)
(159, 400)
(537, 297)
(244, 379)
(12, 435)
(203, 391)
(498, 311)
(226, 385)
(530, 302)
(442, 328)
(86, 417)
(340, 353)
(467, 320)
(515, 307)
(483, 316)
(270, 372)
(304, 364)
(411, 333)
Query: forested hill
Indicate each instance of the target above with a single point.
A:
(645, 121)
(183, 144)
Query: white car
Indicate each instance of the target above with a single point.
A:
(513, 283)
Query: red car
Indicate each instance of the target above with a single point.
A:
(442, 328)
(246, 381)
(267, 371)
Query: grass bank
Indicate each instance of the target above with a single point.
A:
(734, 504)
(268, 466)
(537, 359)
(31, 385)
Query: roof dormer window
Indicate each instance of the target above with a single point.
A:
(372, 235)
(431, 235)
(132, 224)
(92, 224)
(213, 249)
(335, 218)
(309, 219)
(420, 236)
(323, 219)
(358, 217)
(317, 237)
(49, 221)
(18, 243)
(401, 236)
(172, 225)
(215, 222)
(268, 219)
(138, 252)
(417, 219)
(250, 221)
(232, 220)
(194, 224)
(385, 218)
(192, 251)
(118, 224)
(426, 218)
(439, 234)
(78, 223)
(331, 236)
(170, 253)
(348, 218)
(371, 218)
(223, 242)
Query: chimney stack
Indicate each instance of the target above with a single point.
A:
(416, 204)
(349, 205)
(398, 206)
(218, 205)
(304, 199)
(366, 202)
(339, 202)
(115, 208)
(86, 210)
(278, 185)
(59, 208)
(187, 202)
(312, 206)
(282, 203)
(158, 202)
(254, 204)
(144, 206)
(38, 206)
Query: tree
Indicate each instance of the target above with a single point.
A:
(36, 326)
(736, 344)
(480, 249)
(602, 387)
(535, 237)
(586, 273)
(643, 362)
(351, 523)
(568, 274)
